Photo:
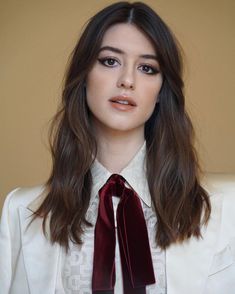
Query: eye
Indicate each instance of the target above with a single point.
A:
(149, 69)
(108, 61)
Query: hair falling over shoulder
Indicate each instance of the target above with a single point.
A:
(182, 206)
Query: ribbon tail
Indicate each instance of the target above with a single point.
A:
(134, 244)
(128, 282)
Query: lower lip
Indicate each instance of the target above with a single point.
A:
(122, 107)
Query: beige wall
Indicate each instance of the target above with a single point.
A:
(36, 38)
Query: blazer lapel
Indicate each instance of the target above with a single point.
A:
(40, 256)
(188, 264)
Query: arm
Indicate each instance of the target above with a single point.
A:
(9, 250)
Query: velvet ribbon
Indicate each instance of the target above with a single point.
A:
(136, 260)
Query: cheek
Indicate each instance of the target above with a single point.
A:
(152, 93)
(96, 84)
(92, 82)
(93, 86)
(155, 89)
(151, 96)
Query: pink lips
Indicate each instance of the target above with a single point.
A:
(123, 103)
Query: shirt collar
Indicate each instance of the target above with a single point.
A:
(134, 173)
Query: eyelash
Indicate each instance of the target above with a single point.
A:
(153, 69)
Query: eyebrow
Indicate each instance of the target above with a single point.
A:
(117, 50)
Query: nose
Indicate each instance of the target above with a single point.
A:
(126, 79)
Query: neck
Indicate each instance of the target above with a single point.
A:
(116, 148)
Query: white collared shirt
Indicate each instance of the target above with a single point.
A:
(77, 264)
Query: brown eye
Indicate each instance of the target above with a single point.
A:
(149, 69)
(110, 62)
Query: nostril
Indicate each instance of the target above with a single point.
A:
(128, 84)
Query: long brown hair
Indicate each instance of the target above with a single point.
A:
(181, 204)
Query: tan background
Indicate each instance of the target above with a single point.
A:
(36, 38)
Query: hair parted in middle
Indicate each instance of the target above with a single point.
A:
(180, 202)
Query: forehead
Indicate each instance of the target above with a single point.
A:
(128, 37)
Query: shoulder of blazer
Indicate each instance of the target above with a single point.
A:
(219, 184)
(26, 197)
(222, 186)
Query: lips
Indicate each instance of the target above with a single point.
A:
(123, 100)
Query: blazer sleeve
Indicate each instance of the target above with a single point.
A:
(222, 273)
(9, 250)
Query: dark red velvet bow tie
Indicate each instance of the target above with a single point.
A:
(136, 261)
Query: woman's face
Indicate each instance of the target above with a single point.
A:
(123, 84)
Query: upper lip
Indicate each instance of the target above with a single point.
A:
(123, 98)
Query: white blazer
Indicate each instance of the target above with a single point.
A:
(29, 263)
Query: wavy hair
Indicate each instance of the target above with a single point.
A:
(180, 202)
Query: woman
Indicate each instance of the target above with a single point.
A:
(123, 210)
